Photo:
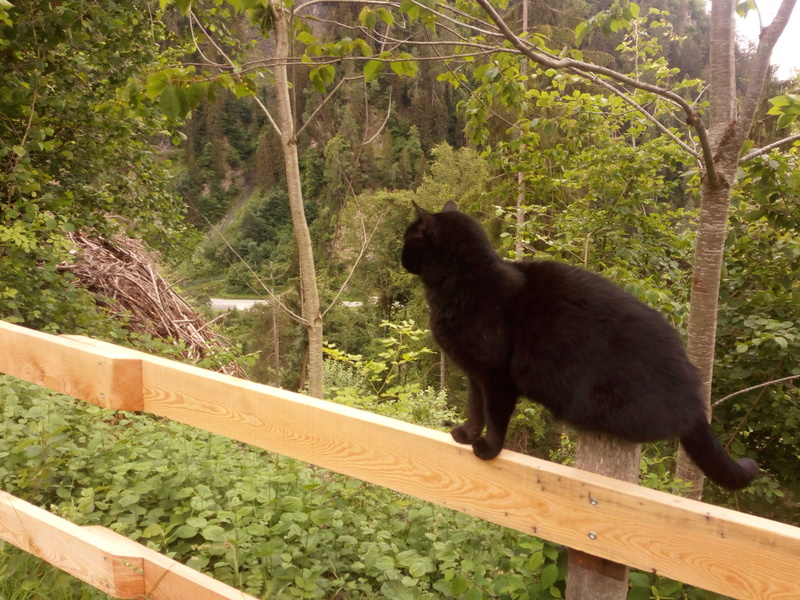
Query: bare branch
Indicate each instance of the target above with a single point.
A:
(231, 64)
(569, 63)
(325, 100)
(269, 291)
(193, 17)
(760, 68)
(755, 387)
(386, 120)
(213, 63)
(639, 108)
(364, 246)
(265, 110)
(759, 151)
(692, 117)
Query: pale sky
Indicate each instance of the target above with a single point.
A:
(787, 51)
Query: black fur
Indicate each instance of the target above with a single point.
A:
(597, 357)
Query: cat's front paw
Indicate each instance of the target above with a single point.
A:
(463, 435)
(484, 450)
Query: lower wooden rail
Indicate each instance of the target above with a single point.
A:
(106, 560)
(720, 550)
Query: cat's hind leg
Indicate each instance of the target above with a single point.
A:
(472, 429)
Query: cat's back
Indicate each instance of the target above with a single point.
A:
(569, 290)
(583, 345)
(569, 310)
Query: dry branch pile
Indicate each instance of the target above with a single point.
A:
(124, 277)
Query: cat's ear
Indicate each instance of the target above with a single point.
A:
(423, 214)
(450, 206)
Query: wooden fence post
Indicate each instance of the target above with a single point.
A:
(590, 577)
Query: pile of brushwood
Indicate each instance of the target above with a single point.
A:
(124, 277)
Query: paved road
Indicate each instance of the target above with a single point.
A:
(241, 304)
(228, 303)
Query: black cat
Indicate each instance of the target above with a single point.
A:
(594, 355)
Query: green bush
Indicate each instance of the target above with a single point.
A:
(269, 525)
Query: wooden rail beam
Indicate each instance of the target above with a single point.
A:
(111, 379)
(105, 560)
(721, 550)
(100, 563)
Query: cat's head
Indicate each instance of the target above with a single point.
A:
(439, 242)
(424, 238)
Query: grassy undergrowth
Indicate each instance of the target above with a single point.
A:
(271, 526)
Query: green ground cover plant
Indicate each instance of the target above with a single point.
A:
(269, 525)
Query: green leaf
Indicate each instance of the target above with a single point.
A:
(459, 584)
(580, 32)
(170, 104)
(185, 531)
(306, 38)
(363, 46)
(214, 533)
(405, 65)
(292, 503)
(386, 16)
(742, 8)
(787, 106)
(536, 560)
(156, 84)
(129, 500)
(372, 69)
(152, 530)
(368, 18)
(317, 80)
(639, 580)
(384, 563)
(667, 587)
(549, 575)
(183, 6)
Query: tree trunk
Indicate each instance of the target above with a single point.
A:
(727, 133)
(308, 277)
(703, 307)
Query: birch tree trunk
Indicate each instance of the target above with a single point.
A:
(727, 134)
(308, 278)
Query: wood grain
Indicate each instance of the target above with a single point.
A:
(700, 544)
(166, 579)
(109, 377)
(720, 550)
(104, 564)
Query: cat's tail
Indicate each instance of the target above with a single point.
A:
(705, 450)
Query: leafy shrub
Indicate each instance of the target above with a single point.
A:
(380, 385)
(272, 526)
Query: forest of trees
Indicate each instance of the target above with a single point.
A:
(271, 150)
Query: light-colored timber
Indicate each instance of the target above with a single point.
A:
(111, 379)
(104, 559)
(166, 579)
(721, 550)
(103, 564)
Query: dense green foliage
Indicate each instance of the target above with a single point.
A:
(76, 152)
(272, 526)
(92, 138)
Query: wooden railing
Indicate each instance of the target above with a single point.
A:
(720, 550)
